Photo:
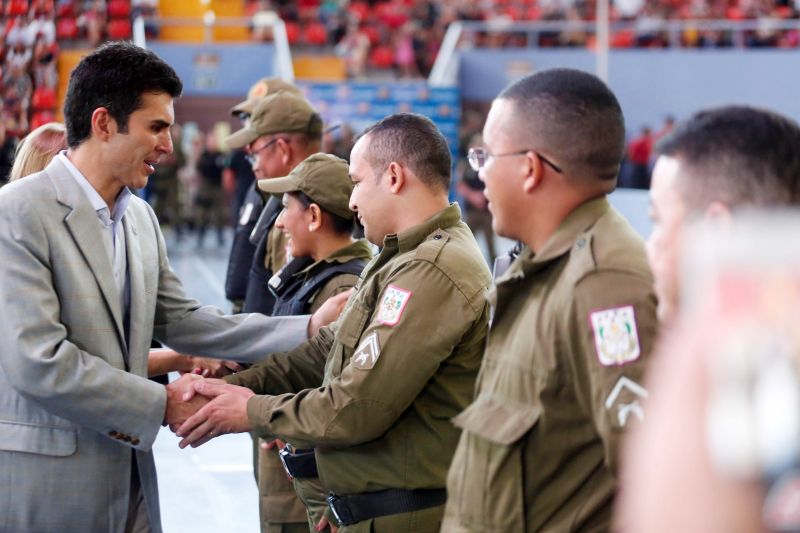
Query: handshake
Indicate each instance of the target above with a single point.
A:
(199, 409)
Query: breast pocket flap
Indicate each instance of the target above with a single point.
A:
(499, 421)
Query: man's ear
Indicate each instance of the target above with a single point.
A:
(718, 213)
(103, 124)
(534, 172)
(397, 177)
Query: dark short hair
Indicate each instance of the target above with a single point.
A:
(575, 117)
(340, 225)
(738, 155)
(114, 76)
(413, 141)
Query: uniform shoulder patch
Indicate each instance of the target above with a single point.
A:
(616, 339)
(367, 353)
(392, 305)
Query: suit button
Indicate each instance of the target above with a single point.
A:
(113, 434)
(126, 438)
(135, 441)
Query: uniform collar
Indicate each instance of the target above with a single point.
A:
(565, 236)
(356, 250)
(411, 238)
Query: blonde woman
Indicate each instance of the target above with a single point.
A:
(37, 149)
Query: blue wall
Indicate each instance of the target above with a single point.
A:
(651, 84)
(217, 70)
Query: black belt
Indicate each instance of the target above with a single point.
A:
(299, 463)
(355, 508)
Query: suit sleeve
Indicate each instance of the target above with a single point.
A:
(398, 352)
(39, 358)
(612, 333)
(185, 326)
(301, 368)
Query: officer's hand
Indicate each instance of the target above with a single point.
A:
(328, 312)
(269, 444)
(323, 525)
(214, 368)
(225, 413)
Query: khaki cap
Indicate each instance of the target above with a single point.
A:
(324, 178)
(282, 112)
(262, 88)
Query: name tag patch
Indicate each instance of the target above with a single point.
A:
(615, 336)
(392, 306)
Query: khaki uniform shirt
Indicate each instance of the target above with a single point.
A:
(279, 504)
(400, 362)
(571, 333)
(275, 257)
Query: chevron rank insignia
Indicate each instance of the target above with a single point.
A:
(392, 305)
(615, 337)
(367, 353)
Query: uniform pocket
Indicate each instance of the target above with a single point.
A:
(485, 483)
(43, 440)
(351, 325)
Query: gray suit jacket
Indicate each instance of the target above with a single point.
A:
(74, 400)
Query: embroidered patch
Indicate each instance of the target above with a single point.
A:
(367, 353)
(392, 305)
(615, 337)
(625, 389)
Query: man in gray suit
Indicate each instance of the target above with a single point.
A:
(86, 285)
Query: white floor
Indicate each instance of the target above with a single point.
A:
(210, 489)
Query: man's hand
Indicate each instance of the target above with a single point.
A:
(328, 312)
(214, 368)
(225, 413)
(180, 406)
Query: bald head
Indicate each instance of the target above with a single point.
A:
(572, 117)
(736, 155)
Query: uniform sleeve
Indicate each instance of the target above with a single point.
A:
(293, 371)
(419, 319)
(611, 339)
(40, 360)
(332, 287)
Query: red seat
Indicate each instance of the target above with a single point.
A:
(119, 9)
(67, 29)
(382, 57)
(292, 32)
(41, 117)
(359, 9)
(43, 99)
(42, 7)
(372, 33)
(316, 34)
(65, 9)
(119, 29)
(16, 8)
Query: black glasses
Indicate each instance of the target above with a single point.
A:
(252, 157)
(478, 157)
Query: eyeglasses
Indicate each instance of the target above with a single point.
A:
(252, 157)
(478, 157)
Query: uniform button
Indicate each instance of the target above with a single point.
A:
(581, 243)
(437, 236)
(135, 441)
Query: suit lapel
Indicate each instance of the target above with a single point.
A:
(137, 302)
(85, 229)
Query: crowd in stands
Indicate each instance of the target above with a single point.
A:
(405, 35)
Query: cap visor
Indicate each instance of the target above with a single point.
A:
(241, 138)
(278, 185)
(247, 107)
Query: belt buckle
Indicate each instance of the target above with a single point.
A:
(285, 452)
(340, 510)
